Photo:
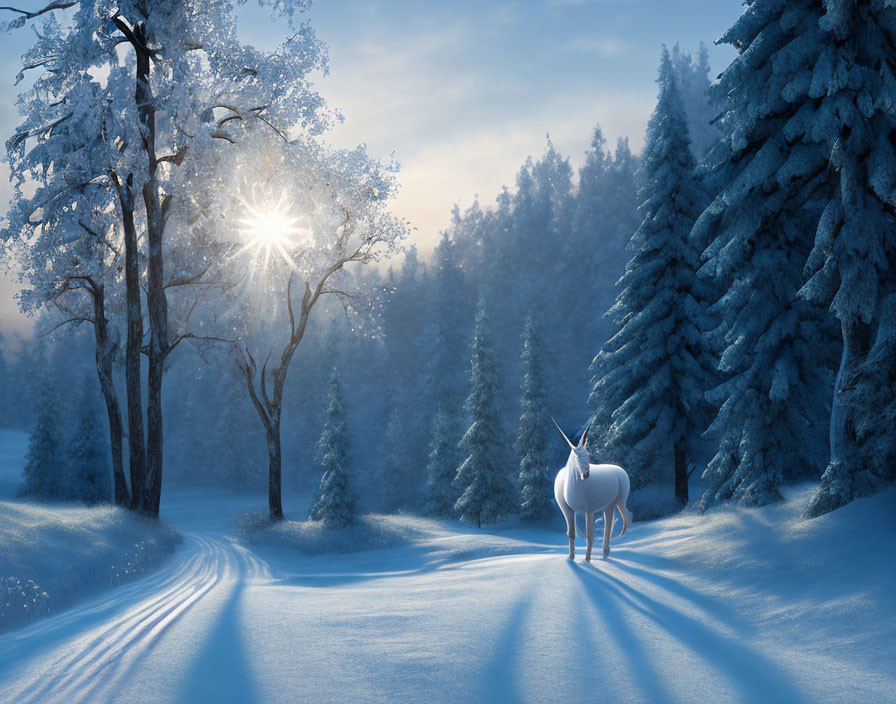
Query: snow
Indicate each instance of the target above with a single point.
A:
(52, 555)
(734, 605)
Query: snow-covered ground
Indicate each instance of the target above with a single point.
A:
(734, 605)
(53, 555)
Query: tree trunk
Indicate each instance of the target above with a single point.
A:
(157, 302)
(275, 495)
(681, 476)
(104, 354)
(844, 449)
(132, 360)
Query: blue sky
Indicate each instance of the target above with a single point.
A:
(461, 92)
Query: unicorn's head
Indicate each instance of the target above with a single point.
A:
(578, 455)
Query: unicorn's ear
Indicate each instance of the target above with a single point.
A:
(563, 434)
(584, 435)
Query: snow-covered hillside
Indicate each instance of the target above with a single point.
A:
(732, 605)
(53, 555)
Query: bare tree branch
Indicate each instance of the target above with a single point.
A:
(192, 336)
(177, 158)
(128, 32)
(77, 319)
(187, 280)
(31, 14)
(264, 386)
(292, 315)
(248, 368)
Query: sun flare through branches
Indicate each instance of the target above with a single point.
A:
(271, 231)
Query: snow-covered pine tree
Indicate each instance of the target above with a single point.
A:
(651, 375)
(88, 459)
(46, 471)
(445, 378)
(771, 176)
(441, 467)
(487, 484)
(532, 435)
(336, 503)
(848, 107)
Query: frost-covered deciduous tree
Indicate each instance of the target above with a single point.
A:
(155, 82)
(46, 469)
(486, 483)
(87, 459)
(64, 234)
(532, 435)
(336, 503)
(289, 249)
(650, 376)
(444, 375)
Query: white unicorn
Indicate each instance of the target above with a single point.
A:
(582, 487)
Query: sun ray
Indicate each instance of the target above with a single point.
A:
(271, 227)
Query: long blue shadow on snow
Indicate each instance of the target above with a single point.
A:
(625, 558)
(500, 678)
(221, 673)
(624, 637)
(754, 677)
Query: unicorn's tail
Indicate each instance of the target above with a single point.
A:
(626, 518)
(622, 500)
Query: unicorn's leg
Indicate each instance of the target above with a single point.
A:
(570, 517)
(589, 531)
(609, 515)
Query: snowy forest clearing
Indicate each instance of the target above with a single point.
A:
(734, 605)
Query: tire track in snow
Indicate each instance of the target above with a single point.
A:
(104, 642)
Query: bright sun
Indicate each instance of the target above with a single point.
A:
(271, 228)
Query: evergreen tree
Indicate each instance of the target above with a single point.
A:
(445, 378)
(336, 503)
(849, 109)
(487, 486)
(441, 466)
(693, 84)
(651, 375)
(398, 483)
(606, 219)
(46, 472)
(775, 175)
(88, 457)
(532, 435)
